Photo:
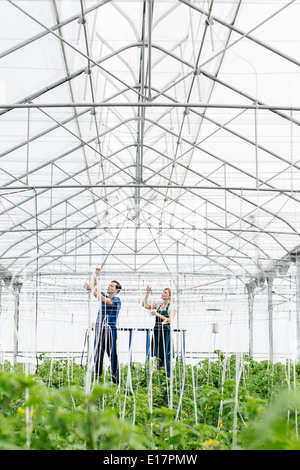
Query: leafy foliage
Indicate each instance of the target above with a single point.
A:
(206, 406)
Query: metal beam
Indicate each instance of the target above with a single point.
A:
(247, 34)
(151, 104)
(73, 47)
(149, 186)
(52, 28)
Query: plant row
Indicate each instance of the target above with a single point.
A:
(228, 403)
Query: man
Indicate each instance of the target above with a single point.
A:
(106, 327)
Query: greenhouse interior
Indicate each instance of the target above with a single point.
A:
(153, 143)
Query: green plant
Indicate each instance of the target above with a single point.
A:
(204, 407)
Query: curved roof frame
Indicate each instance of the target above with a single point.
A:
(162, 176)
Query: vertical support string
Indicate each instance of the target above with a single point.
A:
(129, 381)
(238, 373)
(183, 377)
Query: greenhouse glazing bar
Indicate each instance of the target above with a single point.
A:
(148, 186)
(151, 104)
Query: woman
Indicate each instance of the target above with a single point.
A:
(161, 339)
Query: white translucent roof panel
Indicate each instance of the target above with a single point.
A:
(152, 135)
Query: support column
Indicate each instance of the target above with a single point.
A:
(250, 290)
(0, 296)
(270, 310)
(17, 290)
(178, 292)
(298, 306)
